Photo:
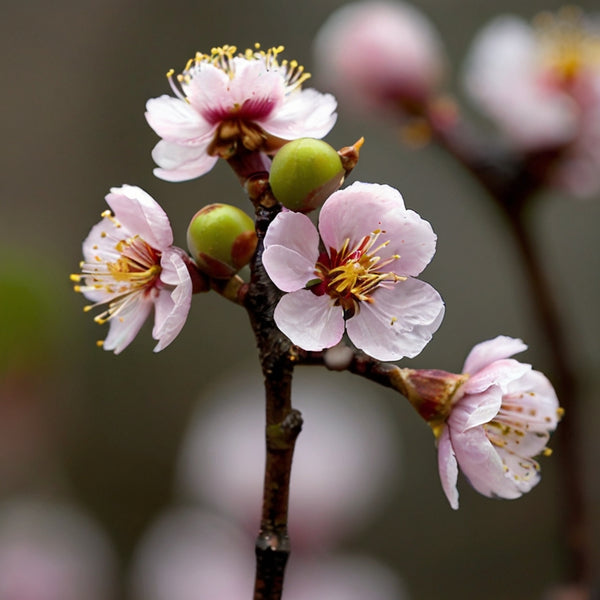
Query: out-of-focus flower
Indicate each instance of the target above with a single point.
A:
(329, 499)
(491, 421)
(131, 266)
(541, 84)
(379, 54)
(52, 552)
(363, 282)
(190, 555)
(228, 103)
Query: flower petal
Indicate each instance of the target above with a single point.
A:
(481, 464)
(311, 322)
(291, 251)
(355, 212)
(362, 208)
(473, 410)
(180, 162)
(305, 113)
(499, 372)
(398, 322)
(172, 307)
(487, 352)
(141, 215)
(448, 468)
(174, 119)
(125, 326)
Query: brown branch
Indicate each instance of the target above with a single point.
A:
(283, 423)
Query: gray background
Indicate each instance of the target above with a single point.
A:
(76, 79)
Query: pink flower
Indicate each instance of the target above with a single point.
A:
(131, 266)
(226, 102)
(379, 54)
(500, 418)
(362, 281)
(541, 85)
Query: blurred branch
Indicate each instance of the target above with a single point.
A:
(512, 181)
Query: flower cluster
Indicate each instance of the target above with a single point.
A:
(354, 275)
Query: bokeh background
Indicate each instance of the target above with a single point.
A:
(81, 427)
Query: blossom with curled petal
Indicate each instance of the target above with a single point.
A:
(491, 421)
(362, 279)
(226, 103)
(131, 267)
(541, 84)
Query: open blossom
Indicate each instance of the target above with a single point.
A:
(492, 423)
(226, 102)
(131, 267)
(379, 54)
(362, 280)
(541, 84)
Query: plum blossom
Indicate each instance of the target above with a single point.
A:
(226, 102)
(541, 84)
(131, 267)
(379, 54)
(362, 280)
(498, 419)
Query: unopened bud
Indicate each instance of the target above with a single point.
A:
(304, 173)
(222, 240)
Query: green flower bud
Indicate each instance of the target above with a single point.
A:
(222, 240)
(304, 173)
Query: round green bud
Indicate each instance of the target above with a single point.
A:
(222, 239)
(304, 173)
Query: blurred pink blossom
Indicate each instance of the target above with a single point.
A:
(131, 266)
(226, 102)
(53, 552)
(364, 280)
(501, 417)
(192, 555)
(346, 463)
(541, 84)
(379, 54)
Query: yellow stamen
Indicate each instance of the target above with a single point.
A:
(568, 44)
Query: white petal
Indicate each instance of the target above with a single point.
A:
(141, 215)
(291, 251)
(305, 113)
(473, 410)
(174, 119)
(487, 352)
(523, 472)
(125, 326)
(172, 306)
(179, 162)
(500, 372)
(398, 322)
(356, 211)
(448, 468)
(481, 464)
(311, 322)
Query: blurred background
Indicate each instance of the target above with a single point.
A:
(100, 438)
